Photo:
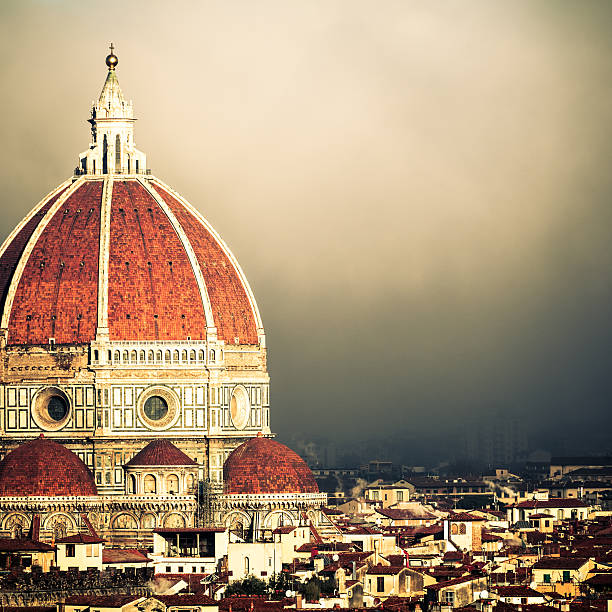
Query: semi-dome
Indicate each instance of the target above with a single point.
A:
(263, 466)
(44, 468)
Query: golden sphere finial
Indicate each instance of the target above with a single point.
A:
(112, 60)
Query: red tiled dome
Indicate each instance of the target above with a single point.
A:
(160, 452)
(170, 276)
(44, 468)
(261, 465)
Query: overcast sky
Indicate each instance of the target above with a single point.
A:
(418, 192)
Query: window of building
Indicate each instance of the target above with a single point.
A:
(449, 598)
(150, 484)
(155, 408)
(380, 584)
(57, 407)
(168, 569)
(546, 578)
(70, 550)
(400, 496)
(566, 576)
(180, 569)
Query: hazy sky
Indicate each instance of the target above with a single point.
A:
(418, 192)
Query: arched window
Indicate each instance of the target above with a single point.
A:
(117, 154)
(172, 484)
(150, 484)
(151, 356)
(454, 529)
(192, 356)
(104, 155)
(184, 357)
(167, 357)
(142, 357)
(158, 358)
(175, 357)
(247, 566)
(462, 529)
(125, 356)
(133, 357)
(201, 356)
(132, 484)
(117, 357)
(190, 483)
(212, 356)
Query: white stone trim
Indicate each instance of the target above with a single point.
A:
(102, 332)
(211, 330)
(8, 306)
(27, 218)
(226, 249)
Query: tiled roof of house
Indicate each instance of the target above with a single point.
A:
(123, 555)
(23, 545)
(559, 502)
(384, 569)
(80, 538)
(567, 563)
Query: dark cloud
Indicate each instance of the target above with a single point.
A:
(419, 193)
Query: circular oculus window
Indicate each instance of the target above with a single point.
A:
(158, 407)
(155, 408)
(51, 409)
(240, 407)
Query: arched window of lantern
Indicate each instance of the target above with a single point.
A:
(150, 484)
(172, 484)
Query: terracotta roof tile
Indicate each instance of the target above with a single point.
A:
(160, 452)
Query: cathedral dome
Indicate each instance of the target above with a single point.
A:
(44, 468)
(263, 466)
(126, 257)
(114, 254)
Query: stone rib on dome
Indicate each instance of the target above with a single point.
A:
(160, 452)
(49, 271)
(45, 468)
(263, 466)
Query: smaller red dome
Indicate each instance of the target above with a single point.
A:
(263, 466)
(160, 452)
(44, 468)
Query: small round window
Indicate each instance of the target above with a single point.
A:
(155, 408)
(57, 408)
